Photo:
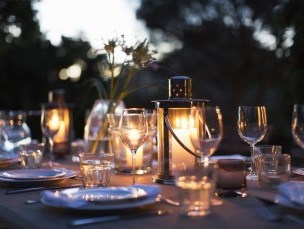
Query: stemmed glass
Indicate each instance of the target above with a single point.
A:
(206, 133)
(252, 128)
(206, 130)
(51, 119)
(133, 129)
(297, 124)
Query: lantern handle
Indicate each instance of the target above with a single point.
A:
(177, 139)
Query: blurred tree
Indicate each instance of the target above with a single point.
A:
(27, 59)
(236, 51)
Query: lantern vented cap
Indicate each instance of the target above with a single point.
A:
(180, 87)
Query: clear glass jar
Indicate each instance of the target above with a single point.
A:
(15, 131)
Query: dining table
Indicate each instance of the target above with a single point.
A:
(251, 211)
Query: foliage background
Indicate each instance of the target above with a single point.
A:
(214, 42)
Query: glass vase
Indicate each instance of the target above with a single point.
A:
(96, 136)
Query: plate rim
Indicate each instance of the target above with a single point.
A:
(69, 174)
(61, 173)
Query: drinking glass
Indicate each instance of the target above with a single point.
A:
(51, 119)
(252, 127)
(133, 129)
(206, 130)
(297, 124)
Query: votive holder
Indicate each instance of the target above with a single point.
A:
(96, 169)
(31, 155)
(273, 169)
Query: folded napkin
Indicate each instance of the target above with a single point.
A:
(293, 191)
(61, 200)
(151, 190)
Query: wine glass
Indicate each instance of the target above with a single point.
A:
(252, 128)
(206, 133)
(297, 124)
(206, 130)
(133, 129)
(51, 119)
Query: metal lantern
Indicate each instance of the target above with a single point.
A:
(62, 140)
(173, 134)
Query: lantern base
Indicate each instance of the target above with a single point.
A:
(162, 180)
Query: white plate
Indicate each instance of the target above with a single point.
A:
(299, 171)
(32, 174)
(91, 206)
(35, 182)
(103, 195)
(233, 156)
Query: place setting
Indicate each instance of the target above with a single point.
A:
(33, 169)
(35, 177)
(96, 192)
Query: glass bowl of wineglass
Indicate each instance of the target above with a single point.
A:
(297, 124)
(206, 130)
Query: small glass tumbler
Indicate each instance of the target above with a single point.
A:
(96, 169)
(196, 187)
(273, 169)
(264, 149)
(31, 155)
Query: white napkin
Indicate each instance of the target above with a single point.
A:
(294, 191)
(151, 190)
(61, 200)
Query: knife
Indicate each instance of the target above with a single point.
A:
(16, 191)
(103, 219)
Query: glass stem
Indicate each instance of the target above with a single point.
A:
(252, 171)
(51, 147)
(133, 165)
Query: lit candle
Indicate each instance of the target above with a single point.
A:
(61, 134)
(179, 154)
(54, 123)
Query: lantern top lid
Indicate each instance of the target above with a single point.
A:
(180, 93)
(180, 87)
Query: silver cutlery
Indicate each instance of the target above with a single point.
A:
(103, 219)
(167, 200)
(33, 189)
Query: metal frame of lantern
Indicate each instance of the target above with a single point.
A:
(179, 102)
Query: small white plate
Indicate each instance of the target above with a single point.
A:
(298, 171)
(102, 195)
(38, 182)
(32, 174)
